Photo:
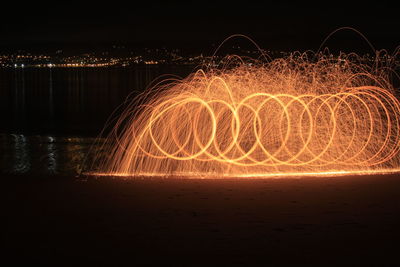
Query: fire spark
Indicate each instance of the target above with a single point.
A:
(287, 117)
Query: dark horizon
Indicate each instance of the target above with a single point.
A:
(198, 26)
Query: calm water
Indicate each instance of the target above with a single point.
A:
(51, 116)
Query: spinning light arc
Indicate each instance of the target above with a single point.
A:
(288, 116)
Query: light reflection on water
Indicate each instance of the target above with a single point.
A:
(69, 101)
(21, 154)
(52, 108)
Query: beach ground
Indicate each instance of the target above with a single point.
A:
(59, 220)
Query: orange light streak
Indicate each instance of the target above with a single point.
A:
(287, 117)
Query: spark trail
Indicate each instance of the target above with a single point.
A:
(297, 115)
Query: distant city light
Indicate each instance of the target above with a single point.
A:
(107, 59)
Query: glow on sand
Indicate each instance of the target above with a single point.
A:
(300, 115)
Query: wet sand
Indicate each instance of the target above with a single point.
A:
(308, 221)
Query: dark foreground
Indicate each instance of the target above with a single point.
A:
(307, 221)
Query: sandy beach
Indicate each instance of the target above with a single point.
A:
(58, 220)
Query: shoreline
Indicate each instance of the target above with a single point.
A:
(63, 220)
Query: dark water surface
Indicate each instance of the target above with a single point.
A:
(51, 116)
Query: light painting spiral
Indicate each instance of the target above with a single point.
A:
(289, 116)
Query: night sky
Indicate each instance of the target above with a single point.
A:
(284, 26)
